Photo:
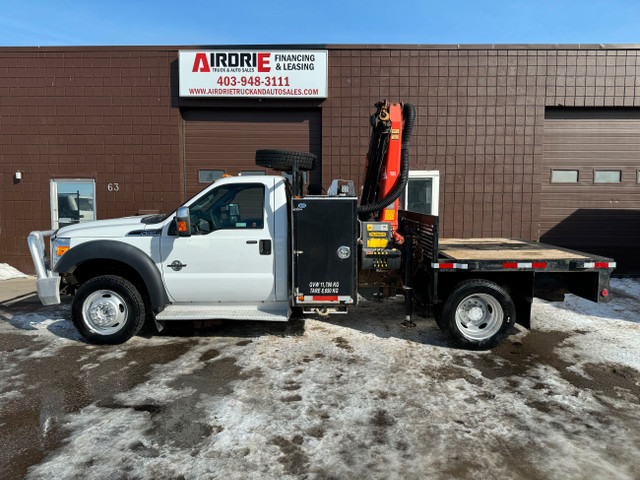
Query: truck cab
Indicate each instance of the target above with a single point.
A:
(237, 250)
(233, 262)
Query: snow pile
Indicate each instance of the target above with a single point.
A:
(7, 272)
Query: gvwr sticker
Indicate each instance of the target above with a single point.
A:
(324, 287)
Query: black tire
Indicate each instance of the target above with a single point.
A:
(108, 310)
(437, 316)
(478, 314)
(285, 159)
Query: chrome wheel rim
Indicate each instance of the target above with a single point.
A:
(479, 316)
(105, 312)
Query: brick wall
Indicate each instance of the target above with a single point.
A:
(113, 114)
(101, 113)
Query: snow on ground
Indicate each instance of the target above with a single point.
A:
(354, 396)
(607, 331)
(7, 272)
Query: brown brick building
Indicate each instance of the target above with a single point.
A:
(537, 142)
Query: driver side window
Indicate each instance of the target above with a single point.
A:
(228, 207)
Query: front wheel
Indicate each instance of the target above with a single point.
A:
(478, 314)
(108, 310)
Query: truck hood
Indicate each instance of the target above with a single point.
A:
(115, 228)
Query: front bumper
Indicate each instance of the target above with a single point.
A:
(48, 282)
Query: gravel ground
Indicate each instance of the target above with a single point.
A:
(352, 396)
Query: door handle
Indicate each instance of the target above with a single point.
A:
(265, 247)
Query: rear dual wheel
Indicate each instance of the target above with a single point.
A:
(478, 314)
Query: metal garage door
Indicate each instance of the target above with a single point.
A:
(226, 140)
(590, 182)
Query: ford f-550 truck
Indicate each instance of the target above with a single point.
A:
(255, 248)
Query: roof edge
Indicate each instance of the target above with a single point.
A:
(173, 48)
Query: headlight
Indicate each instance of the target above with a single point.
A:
(59, 246)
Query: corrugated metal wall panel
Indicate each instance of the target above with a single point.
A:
(597, 217)
(227, 139)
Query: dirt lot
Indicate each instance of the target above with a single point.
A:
(355, 396)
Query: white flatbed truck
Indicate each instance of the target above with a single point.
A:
(255, 248)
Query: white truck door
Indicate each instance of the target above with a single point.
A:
(230, 254)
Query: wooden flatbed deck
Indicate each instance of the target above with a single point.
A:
(503, 249)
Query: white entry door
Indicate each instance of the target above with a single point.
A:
(72, 201)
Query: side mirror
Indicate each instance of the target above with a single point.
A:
(183, 222)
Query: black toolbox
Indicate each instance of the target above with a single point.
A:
(324, 250)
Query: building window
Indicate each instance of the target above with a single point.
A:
(564, 176)
(72, 201)
(422, 192)
(252, 172)
(210, 176)
(607, 176)
(638, 176)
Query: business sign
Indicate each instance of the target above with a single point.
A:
(253, 73)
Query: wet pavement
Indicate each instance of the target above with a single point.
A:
(354, 396)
